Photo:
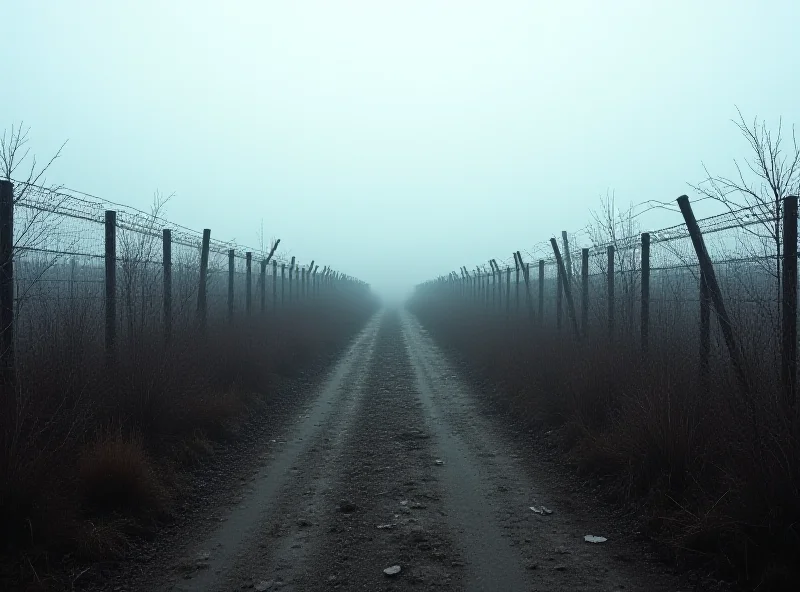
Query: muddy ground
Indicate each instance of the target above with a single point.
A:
(392, 462)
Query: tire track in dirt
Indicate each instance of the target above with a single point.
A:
(210, 564)
(384, 475)
(492, 489)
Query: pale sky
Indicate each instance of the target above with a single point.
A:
(394, 141)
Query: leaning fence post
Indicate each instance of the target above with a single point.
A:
(248, 285)
(611, 296)
(713, 287)
(111, 286)
(526, 276)
(789, 333)
(7, 282)
(541, 292)
(167, 255)
(566, 285)
(585, 291)
(263, 286)
(202, 290)
(231, 270)
(645, 308)
(567, 256)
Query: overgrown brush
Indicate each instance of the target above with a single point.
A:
(89, 451)
(716, 473)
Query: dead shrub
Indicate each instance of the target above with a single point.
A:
(116, 473)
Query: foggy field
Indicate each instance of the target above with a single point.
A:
(399, 296)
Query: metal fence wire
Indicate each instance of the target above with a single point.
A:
(59, 257)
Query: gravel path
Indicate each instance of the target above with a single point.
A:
(391, 464)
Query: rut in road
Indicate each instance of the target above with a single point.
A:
(393, 464)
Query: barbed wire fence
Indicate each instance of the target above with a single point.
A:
(67, 255)
(653, 286)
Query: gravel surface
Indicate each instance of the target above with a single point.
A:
(392, 478)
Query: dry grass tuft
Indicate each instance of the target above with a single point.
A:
(116, 473)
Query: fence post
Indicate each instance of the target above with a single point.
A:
(283, 284)
(645, 309)
(7, 283)
(516, 284)
(508, 292)
(494, 285)
(789, 333)
(303, 283)
(566, 286)
(291, 274)
(263, 286)
(585, 291)
(248, 298)
(111, 286)
(167, 286)
(541, 292)
(611, 307)
(705, 328)
(231, 269)
(526, 276)
(567, 257)
(274, 285)
(202, 290)
(713, 288)
(559, 295)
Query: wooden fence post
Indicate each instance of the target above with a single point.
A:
(202, 289)
(283, 284)
(508, 292)
(494, 284)
(713, 287)
(516, 284)
(263, 286)
(111, 286)
(248, 283)
(526, 276)
(291, 274)
(645, 308)
(559, 295)
(789, 304)
(541, 292)
(566, 285)
(231, 270)
(705, 328)
(274, 285)
(167, 256)
(567, 257)
(7, 284)
(611, 303)
(585, 291)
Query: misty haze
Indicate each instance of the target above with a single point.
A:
(431, 295)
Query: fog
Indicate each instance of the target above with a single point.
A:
(394, 141)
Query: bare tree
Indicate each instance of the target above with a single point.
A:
(35, 229)
(14, 151)
(139, 248)
(612, 226)
(754, 195)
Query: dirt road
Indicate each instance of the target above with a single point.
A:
(392, 464)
